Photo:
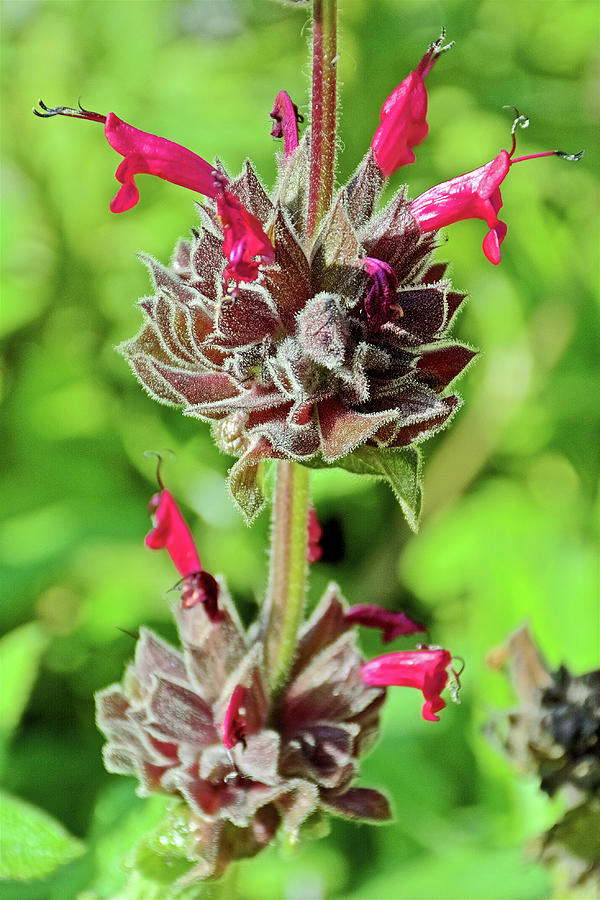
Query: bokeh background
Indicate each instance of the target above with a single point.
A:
(511, 488)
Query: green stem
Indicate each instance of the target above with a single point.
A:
(287, 582)
(323, 111)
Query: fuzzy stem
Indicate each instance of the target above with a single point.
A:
(323, 116)
(287, 582)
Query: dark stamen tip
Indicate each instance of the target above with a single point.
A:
(438, 46)
(48, 111)
(570, 157)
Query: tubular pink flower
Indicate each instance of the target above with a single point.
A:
(392, 624)
(233, 727)
(403, 116)
(381, 291)
(245, 245)
(171, 532)
(426, 670)
(475, 195)
(148, 154)
(286, 116)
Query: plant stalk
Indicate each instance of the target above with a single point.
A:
(323, 111)
(287, 581)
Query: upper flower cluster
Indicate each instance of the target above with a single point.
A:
(301, 343)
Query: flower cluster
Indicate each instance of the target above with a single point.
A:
(326, 341)
(198, 722)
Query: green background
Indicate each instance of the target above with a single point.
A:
(510, 489)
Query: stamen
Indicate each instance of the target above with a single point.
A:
(570, 157)
(453, 684)
(433, 51)
(79, 113)
(519, 122)
(462, 667)
(437, 47)
(159, 457)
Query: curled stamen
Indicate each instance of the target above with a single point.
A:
(462, 666)
(159, 458)
(518, 122)
(454, 684)
(79, 113)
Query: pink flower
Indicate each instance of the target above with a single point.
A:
(426, 670)
(171, 532)
(392, 624)
(148, 154)
(381, 291)
(286, 116)
(403, 116)
(475, 195)
(245, 244)
(233, 727)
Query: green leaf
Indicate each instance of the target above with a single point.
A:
(20, 651)
(32, 843)
(400, 468)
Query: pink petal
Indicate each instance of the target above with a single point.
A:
(404, 116)
(468, 196)
(233, 727)
(244, 239)
(381, 291)
(171, 532)
(492, 241)
(392, 624)
(285, 114)
(422, 669)
(148, 154)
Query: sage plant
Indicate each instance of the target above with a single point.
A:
(310, 329)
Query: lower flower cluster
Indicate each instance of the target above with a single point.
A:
(197, 723)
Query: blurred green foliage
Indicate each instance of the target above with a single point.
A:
(510, 499)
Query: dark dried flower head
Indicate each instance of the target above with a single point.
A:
(340, 342)
(555, 734)
(197, 723)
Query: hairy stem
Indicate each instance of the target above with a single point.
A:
(287, 582)
(323, 111)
